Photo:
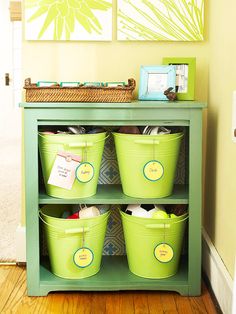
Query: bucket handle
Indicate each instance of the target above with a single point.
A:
(76, 230)
(157, 226)
(154, 141)
(85, 144)
(164, 225)
(66, 231)
(147, 142)
(81, 144)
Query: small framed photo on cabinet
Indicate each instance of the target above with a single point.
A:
(154, 80)
(185, 76)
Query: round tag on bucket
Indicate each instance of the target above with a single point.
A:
(83, 257)
(84, 172)
(163, 253)
(153, 170)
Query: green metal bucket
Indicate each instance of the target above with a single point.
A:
(74, 245)
(147, 163)
(87, 146)
(153, 246)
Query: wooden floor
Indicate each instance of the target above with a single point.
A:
(13, 299)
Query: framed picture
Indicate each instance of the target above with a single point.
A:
(185, 76)
(154, 80)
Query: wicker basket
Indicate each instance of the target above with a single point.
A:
(79, 94)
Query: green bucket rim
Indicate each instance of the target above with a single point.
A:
(144, 220)
(104, 215)
(154, 136)
(74, 135)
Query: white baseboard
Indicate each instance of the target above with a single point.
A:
(219, 278)
(20, 245)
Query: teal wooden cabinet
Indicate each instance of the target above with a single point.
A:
(114, 273)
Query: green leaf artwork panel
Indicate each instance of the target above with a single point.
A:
(68, 19)
(160, 20)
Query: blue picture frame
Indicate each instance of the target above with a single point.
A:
(154, 80)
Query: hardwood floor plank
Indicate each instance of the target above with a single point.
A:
(4, 271)
(126, 302)
(155, 303)
(183, 304)
(198, 305)
(16, 296)
(141, 303)
(14, 299)
(8, 285)
(20, 303)
(98, 303)
(113, 303)
(31, 305)
(84, 302)
(63, 303)
(168, 302)
(207, 300)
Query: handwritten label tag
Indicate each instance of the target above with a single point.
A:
(84, 172)
(63, 170)
(163, 253)
(83, 257)
(153, 170)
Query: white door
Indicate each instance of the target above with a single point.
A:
(10, 143)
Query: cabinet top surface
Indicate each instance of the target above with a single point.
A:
(133, 105)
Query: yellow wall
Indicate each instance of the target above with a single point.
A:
(121, 60)
(220, 193)
(104, 61)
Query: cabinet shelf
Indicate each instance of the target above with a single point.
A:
(114, 275)
(112, 194)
